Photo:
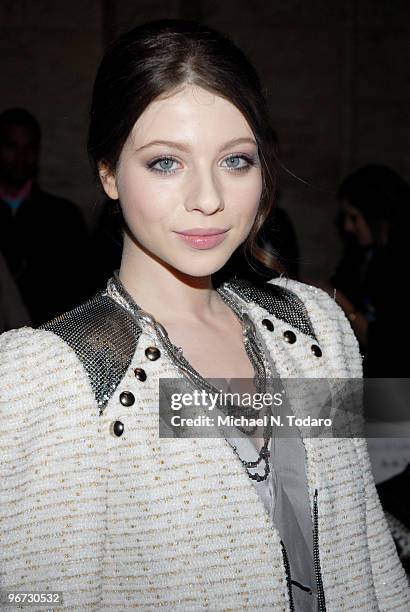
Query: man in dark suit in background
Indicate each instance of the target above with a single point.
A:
(42, 237)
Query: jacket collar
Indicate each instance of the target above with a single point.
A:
(104, 330)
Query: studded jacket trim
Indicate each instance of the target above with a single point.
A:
(278, 301)
(104, 335)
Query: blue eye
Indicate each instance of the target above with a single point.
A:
(236, 165)
(165, 164)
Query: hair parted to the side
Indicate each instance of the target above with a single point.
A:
(159, 57)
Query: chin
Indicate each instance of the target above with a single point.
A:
(199, 268)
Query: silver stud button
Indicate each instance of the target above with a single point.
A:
(289, 336)
(152, 352)
(127, 398)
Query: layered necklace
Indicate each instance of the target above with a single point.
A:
(253, 349)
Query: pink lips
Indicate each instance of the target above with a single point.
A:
(201, 238)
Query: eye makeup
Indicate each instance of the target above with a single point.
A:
(248, 159)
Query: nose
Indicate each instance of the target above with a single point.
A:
(205, 192)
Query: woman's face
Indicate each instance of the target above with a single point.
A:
(355, 223)
(207, 175)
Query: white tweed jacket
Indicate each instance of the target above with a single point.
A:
(117, 522)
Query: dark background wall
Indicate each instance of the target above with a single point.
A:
(336, 75)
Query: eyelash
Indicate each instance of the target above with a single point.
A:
(250, 162)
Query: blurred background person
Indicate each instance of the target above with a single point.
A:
(369, 284)
(13, 312)
(373, 220)
(43, 237)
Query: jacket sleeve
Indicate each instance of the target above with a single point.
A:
(52, 465)
(392, 588)
(391, 585)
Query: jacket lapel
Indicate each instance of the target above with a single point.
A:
(197, 486)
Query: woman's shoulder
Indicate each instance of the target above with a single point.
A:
(318, 304)
(293, 300)
(329, 321)
(309, 310)
(298, 287)
(22, 344)
(276, 298)
(32, 359)
(92, 342)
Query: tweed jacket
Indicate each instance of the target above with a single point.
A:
(117, 522)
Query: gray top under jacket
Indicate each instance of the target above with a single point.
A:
(285, 496)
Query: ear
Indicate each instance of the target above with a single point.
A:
(108, 181)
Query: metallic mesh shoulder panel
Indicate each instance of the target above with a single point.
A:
(104, 337)
(278, 301)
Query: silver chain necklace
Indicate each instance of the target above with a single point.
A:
(157, 331)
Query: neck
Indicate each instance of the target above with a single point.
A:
(165, 292)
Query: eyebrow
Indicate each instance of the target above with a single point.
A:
(184, 146)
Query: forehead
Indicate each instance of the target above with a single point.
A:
(193, 114)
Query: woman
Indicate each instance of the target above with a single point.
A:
(374, 214)
(97, 505)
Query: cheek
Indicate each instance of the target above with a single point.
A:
(143, 201)
(245, 196)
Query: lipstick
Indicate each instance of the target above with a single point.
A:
(203, 238)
